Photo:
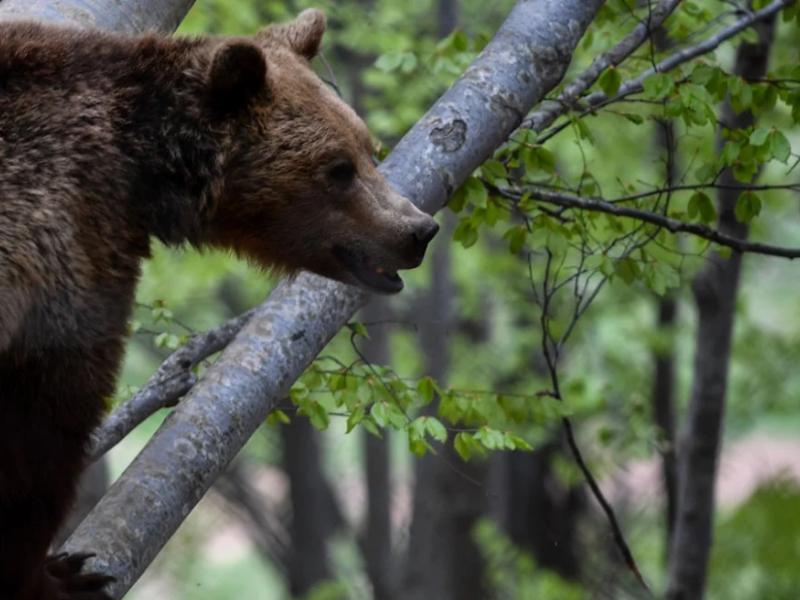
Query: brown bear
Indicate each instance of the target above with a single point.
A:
(107, 141)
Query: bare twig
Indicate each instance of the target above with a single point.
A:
(551, 348)
(616, 530)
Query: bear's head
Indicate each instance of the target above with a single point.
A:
(301, 188)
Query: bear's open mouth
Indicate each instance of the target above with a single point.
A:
(373, 277)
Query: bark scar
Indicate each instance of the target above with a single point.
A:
(450, 136)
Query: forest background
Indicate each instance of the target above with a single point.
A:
(348, 492)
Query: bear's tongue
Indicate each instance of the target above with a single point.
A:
(374, 278)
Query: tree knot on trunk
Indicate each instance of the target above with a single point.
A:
(449, 137)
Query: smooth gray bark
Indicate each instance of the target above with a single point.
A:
(715, 296)
(130, 16)
(524, 61)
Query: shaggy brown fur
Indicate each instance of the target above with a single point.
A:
(106, 141)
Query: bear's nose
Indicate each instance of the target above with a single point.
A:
(424, 232)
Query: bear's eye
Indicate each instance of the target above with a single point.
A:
(342, 173)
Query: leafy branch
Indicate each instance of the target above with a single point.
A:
(635, 85)
(570, 201)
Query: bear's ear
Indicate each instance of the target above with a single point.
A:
(303, 35)
(238, 73)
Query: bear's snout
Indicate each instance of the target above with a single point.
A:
(422, 232)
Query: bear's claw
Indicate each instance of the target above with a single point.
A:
(64, 572)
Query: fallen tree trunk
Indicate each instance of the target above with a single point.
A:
(524, 61)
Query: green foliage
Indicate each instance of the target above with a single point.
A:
(386, 57)
(512, 573)
(756, 549)
(376, 398)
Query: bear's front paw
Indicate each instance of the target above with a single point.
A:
(68, 583)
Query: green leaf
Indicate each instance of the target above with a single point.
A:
(759, 136)
(538, 158)
(494, 171)
(167, 340)
(370, 426)
(701, 208)
(741, 94)
(298, 392)
(416, 445)
(627, 269)
(337, 382)
(364, 392)
(464, 445)
(706, 172)
(748, 205)
(316, 413)
(465, 233)
(426, 389)
(658, 86)
(516, 237)
(436, 430)
(519, 443)
(476, 192)
(277, 417)
(610, 81)
(458, 200)
(583, 130)
(779, 146)
(356, 417)
(389, 62)
(490, 438)
(633, 118)
(380, 413)
(460, 41)
(358, 329)
(408, 62)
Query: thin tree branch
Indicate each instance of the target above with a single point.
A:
(635, 85)
(616, 530)
(745, 187)
(551, 349)
(673, 225)
(171, 381)
(550, 111)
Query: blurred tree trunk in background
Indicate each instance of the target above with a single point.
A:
(265, 525)
(663, 393)
(315, 512)
(377, 535)
(543, 512)
(663, 398)
(715, 295)
(538, 511)
(443, 561)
